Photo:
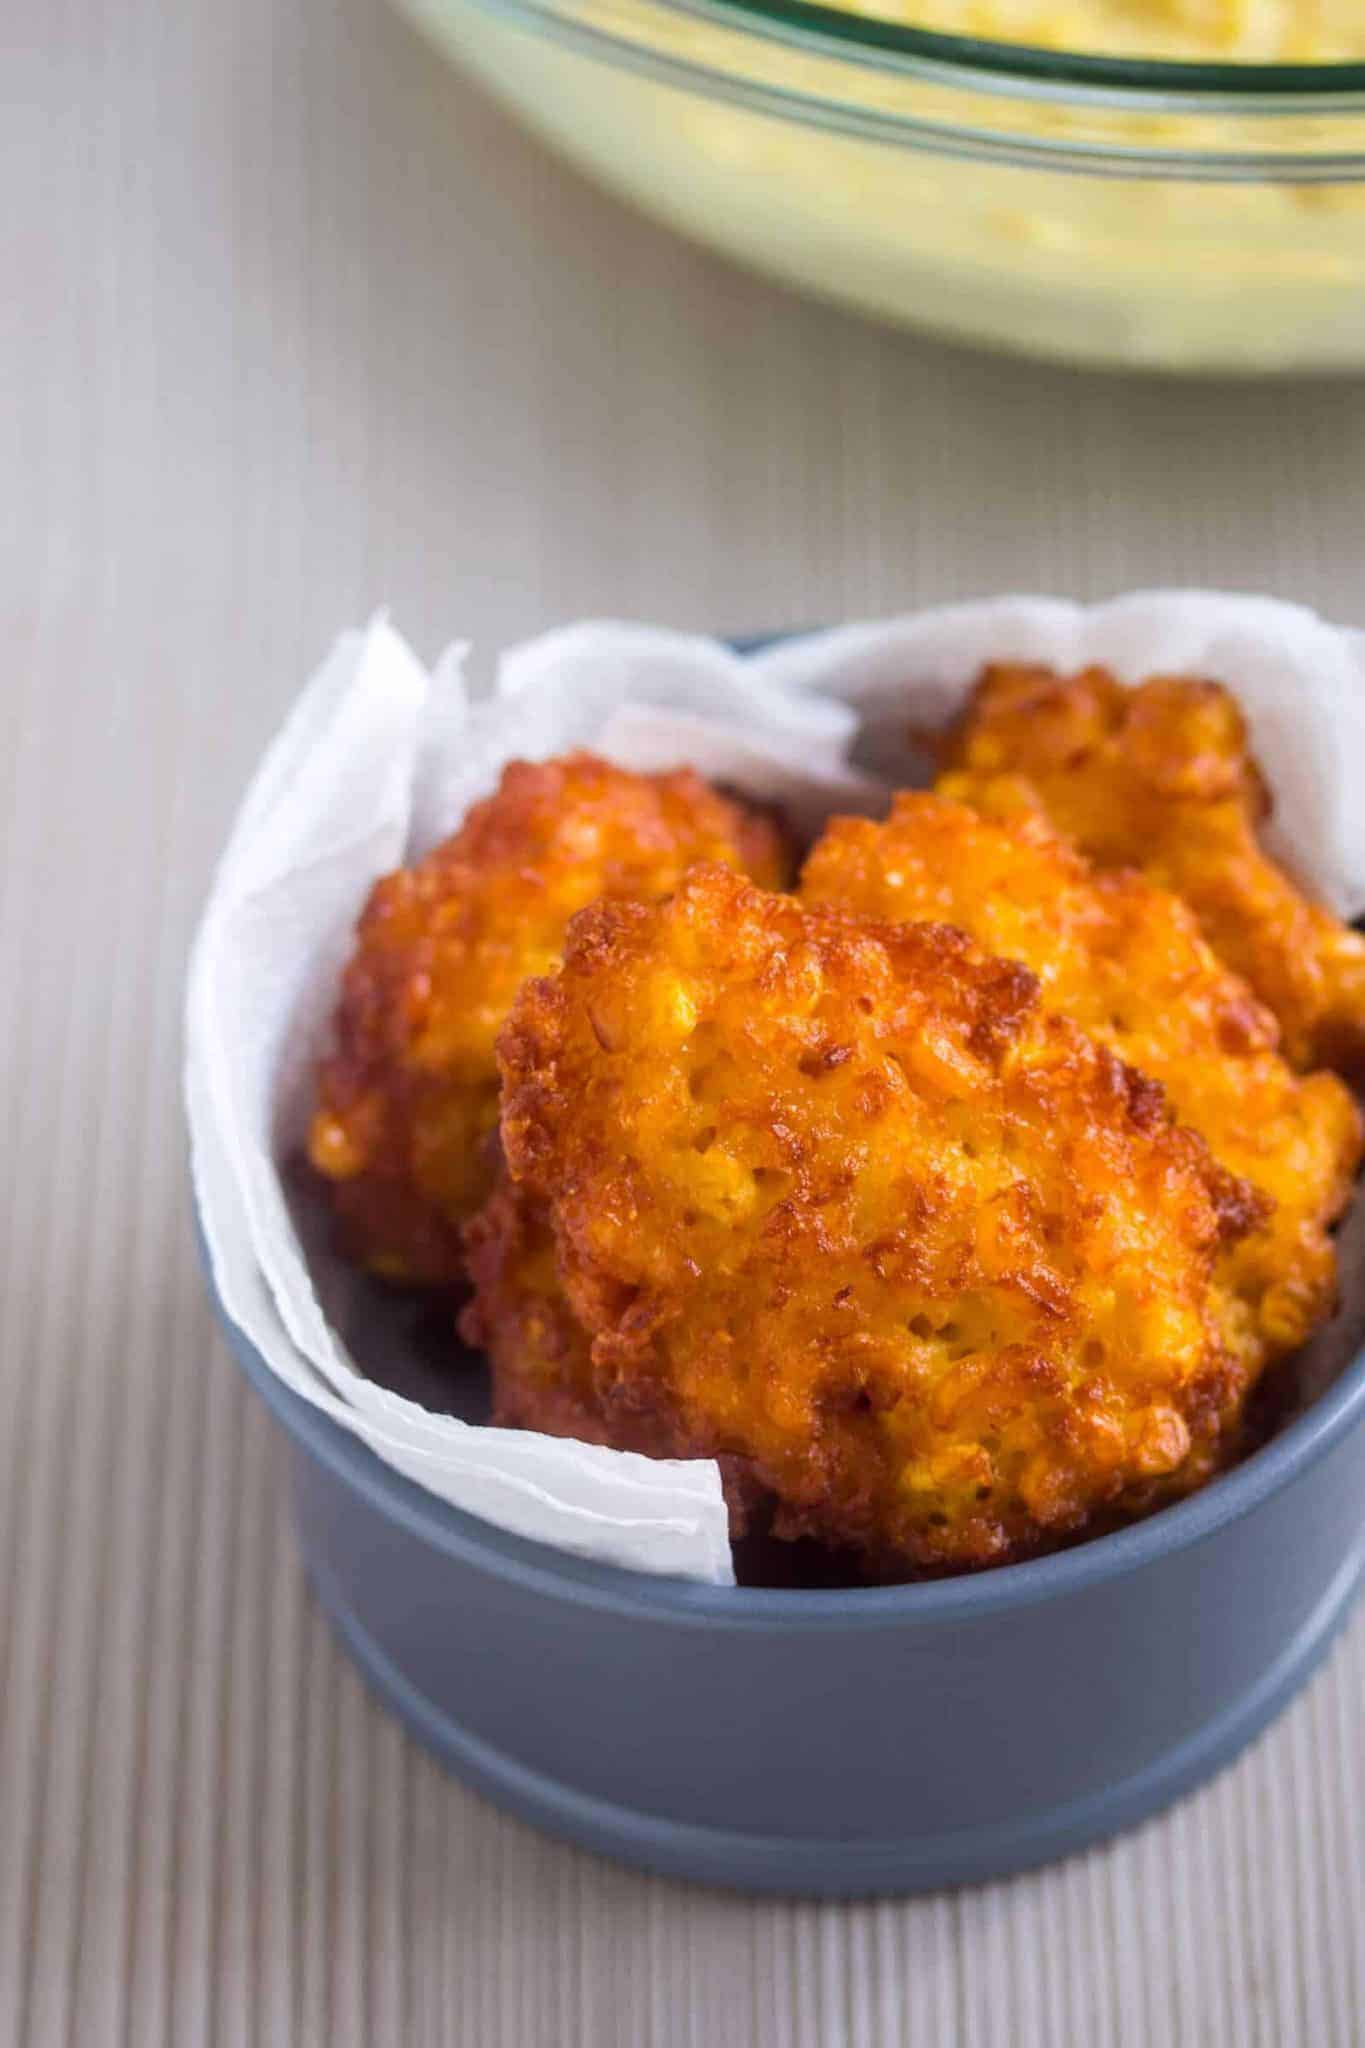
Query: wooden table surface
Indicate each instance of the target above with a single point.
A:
(294, 323)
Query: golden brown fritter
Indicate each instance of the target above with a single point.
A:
(1160, 777)
(840, 1201)
(540, 1358)
(408, 1098)
(1125, 961)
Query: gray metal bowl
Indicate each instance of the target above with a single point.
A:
(867, 1740)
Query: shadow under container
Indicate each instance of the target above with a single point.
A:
(839, 1742)
(1147, 215)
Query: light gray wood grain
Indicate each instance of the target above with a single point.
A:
(294, 323)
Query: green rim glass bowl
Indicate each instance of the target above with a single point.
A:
(1174, 216)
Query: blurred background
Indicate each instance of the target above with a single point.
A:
(296, 324)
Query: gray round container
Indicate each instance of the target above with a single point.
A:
(870, 1740)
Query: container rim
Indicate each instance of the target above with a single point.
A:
(1253, 86)
(585, 1582)
(1286, 124)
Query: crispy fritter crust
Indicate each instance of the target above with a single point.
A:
(1125, 961)
(1160, 777)
(408, 1098)
(540, 1357)
(841, 1202)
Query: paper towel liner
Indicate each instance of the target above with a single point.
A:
(378, 760)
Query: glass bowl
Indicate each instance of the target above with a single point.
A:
(1172, 216)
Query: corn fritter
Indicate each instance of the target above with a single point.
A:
(1124, 960)
(1160, 777)
(842, 1202)
(408, 1098)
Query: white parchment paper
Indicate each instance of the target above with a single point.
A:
(379, 759)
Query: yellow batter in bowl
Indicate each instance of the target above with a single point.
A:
(1225, 31)
(1048, 204)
